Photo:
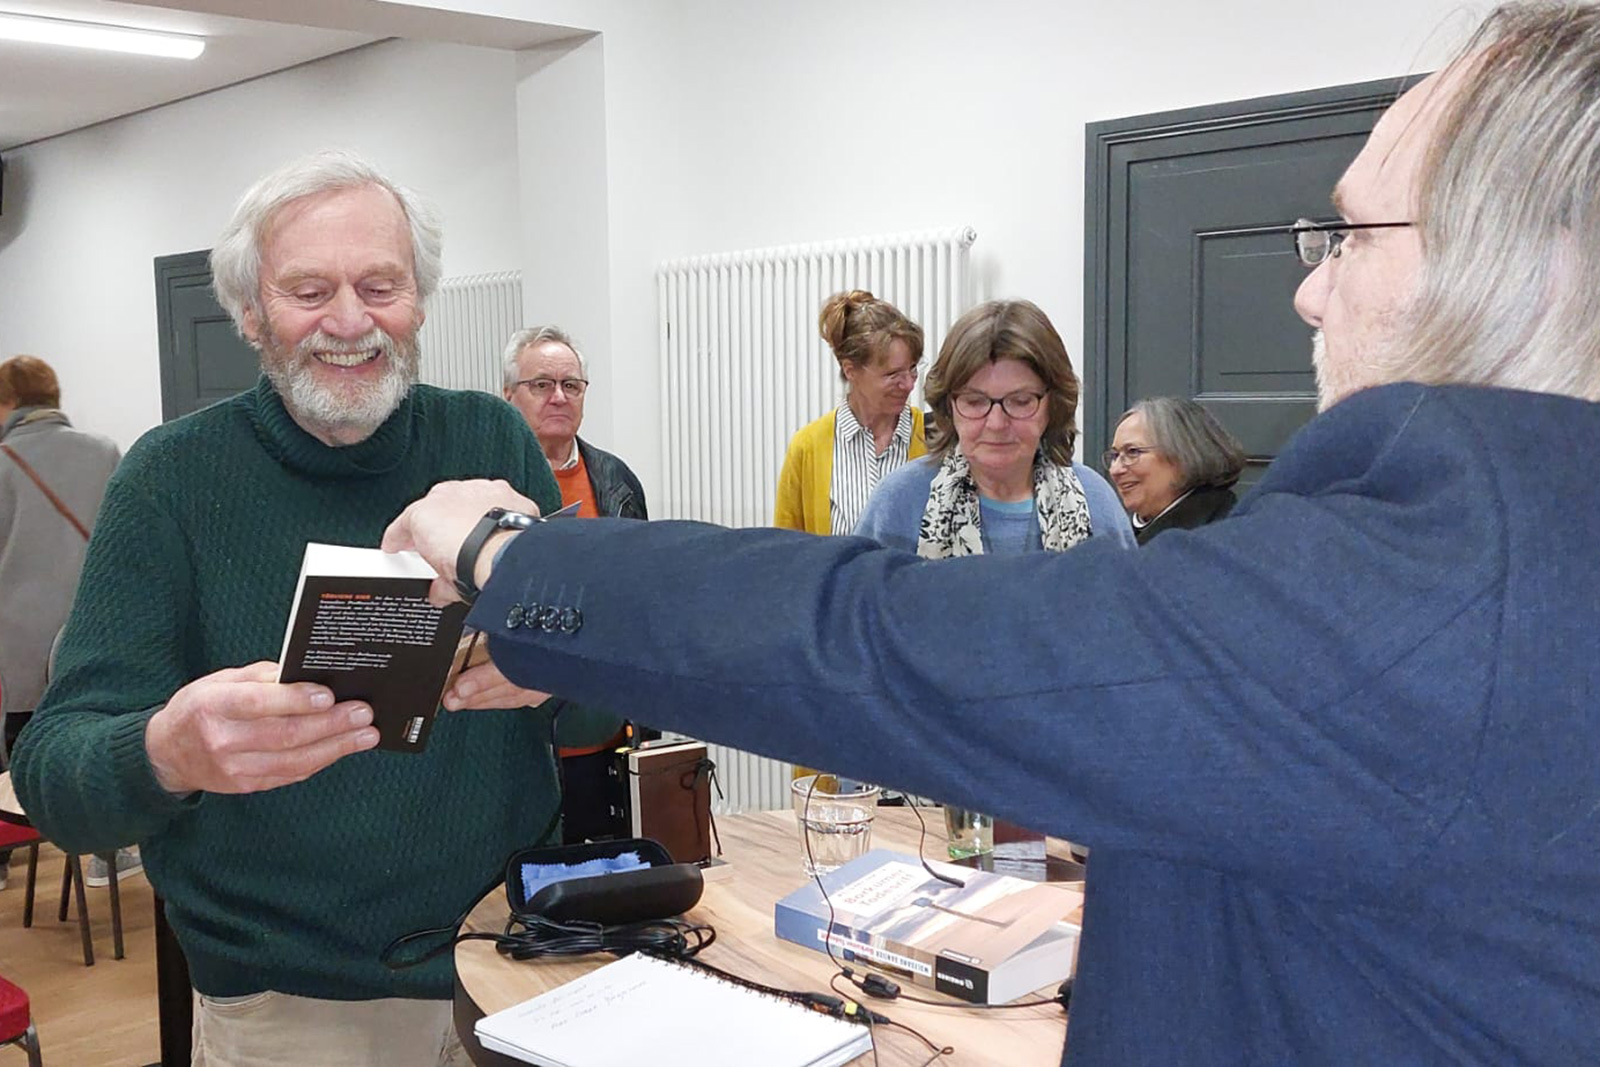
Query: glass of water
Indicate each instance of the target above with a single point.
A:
(968, 833)
(835, 818)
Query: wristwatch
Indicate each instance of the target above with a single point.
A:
(494, 520)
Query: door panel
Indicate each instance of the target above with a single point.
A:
(1190, 277)
(203, 359)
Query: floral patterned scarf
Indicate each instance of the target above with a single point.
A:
(951, 524)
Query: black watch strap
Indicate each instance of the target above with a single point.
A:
(494, 520)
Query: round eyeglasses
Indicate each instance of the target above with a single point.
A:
(1015, 405)
(1318, 241)
(1129, 455)
(573, 387)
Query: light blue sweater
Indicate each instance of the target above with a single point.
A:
(894, 513)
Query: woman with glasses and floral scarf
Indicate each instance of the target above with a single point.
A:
(999, 476)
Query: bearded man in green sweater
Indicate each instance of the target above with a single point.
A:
(289, 851)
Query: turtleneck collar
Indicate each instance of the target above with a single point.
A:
(288, 443)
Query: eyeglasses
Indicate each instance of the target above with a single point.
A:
(573, 387)
(1015, 405)
(907, 376)
(1129, 455)
(1318, 241)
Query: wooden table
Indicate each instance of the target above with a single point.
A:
(763, 854)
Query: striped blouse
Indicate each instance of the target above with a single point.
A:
(857, 467)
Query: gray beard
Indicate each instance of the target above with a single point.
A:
(335, 417)
(1330, 389)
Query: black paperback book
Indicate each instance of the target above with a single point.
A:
(362, 626)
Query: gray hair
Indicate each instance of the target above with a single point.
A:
(1191, 437)
(236, 259)
(538, 335)
(1508, 211)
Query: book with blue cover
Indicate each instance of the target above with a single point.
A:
(990, 940)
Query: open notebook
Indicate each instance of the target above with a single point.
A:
(625, 1012)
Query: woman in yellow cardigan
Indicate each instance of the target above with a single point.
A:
(834, 463)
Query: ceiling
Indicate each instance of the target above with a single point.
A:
(48, 90)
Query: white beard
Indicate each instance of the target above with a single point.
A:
(350, 416)
(1332, 386)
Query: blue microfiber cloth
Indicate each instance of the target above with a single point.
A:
(535, 876)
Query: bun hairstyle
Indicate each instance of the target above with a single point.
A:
(857, 326)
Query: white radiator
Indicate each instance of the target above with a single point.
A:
(743, 368)
(469, 321)
(742, 365)
(749, 783)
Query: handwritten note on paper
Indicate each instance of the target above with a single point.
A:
(575, 1002)
(606, 1017)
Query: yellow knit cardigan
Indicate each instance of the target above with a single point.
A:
(807, 474)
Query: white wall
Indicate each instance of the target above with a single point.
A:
(735, 124)
(86, 213)
(727, 123)
(566, 268)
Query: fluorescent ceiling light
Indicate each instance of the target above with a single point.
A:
(37, 30)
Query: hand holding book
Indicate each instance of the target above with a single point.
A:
(362, 625)
(238, 731)
(478, 684)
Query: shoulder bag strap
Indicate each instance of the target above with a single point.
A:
(60, 504)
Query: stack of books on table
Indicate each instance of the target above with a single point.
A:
(989, 940)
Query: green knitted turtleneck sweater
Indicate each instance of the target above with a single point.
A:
(192, 569)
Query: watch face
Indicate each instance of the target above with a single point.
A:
(514, 520)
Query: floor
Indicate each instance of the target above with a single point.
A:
(100, 1016)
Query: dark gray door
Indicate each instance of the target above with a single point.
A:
(1189, 276)
(203, 359)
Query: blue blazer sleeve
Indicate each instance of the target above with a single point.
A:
(1263, 695)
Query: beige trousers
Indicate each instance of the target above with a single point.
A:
(280, 1030)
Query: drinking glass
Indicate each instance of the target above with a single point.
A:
(968, 833)
(835, 819)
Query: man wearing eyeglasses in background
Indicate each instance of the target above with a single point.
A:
(546, 380)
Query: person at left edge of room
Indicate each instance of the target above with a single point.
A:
(52, 476)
